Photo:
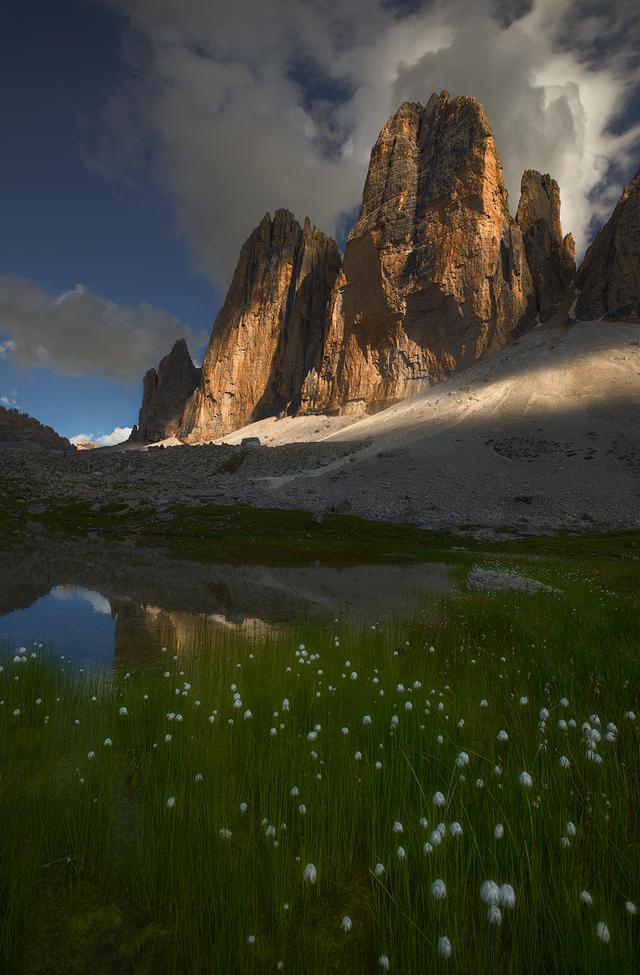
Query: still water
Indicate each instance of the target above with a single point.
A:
(102, 604)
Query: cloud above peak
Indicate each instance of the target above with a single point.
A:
(79, 333)
(237, 108)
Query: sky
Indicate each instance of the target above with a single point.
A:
(145, 139)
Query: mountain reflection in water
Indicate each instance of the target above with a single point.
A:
(98, 602)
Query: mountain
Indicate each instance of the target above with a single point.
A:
(269, 330)
(20, 429)
(551, 256)
(609, 278)
(435, 274)
(165, 394)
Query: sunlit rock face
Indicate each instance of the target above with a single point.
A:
(609, 277)
(435, 274)
(269, 331)
(550, 255)
(165, 394)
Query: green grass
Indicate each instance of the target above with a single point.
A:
(99, 875)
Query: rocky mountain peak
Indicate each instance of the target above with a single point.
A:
(550, 255)
(269, 330)
(165, 393)
(435, 275)
(609, 277)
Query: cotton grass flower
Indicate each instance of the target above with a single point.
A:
(526, 780)
(91, 755)
(346, 924)
(171, 801)
(401, 853)
(455, 829)
(107, 743)
(366, 719)
(507, 895)
(586, 898)
(630, 908)
(310, 874)
(438, 799)
(462, 759)
(498, 831)
(444, 947)
(123, 712)
(494, 915)
(383, 962)
(378, 869)
(225, 833)
(397, 827)
(502, 735)
(439, 889)
(603, 932)
(490, 892)
(564, 762)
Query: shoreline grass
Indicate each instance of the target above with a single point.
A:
(112, 855)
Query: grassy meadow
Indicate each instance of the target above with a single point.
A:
(333, 800)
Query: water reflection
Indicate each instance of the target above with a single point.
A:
(98, 602)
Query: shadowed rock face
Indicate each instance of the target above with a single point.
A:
(20, 428)
(270, 330)
(435, 274)
(609, 277)
(551, 257)
(165, 393)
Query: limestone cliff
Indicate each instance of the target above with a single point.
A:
(550, 255)
(435, 274)
(609, 277)
(269, 331)
(165, 394)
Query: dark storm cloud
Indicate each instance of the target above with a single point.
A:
(78, 332)
(238, 108)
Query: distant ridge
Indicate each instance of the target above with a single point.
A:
(21, 429)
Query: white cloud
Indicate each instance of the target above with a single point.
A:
(9, 399)
(232, 104)
(117, 435)
(78, 332)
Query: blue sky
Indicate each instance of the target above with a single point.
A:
(144, 139)
(63, 223)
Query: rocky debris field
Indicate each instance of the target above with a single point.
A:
(541, 438)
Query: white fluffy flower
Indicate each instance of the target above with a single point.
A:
(490, 892)
(603, 932)
(455, 829)
(171, 801)
(507, 895)
(438, 799)
(379, 869)
(439, 889)
(494, 915)
(462, 759)
(346, 924)
(444, 947)
(586, 898)
(397, 827)
(564, 762)
(498, 831)
(383, 962)
(526, 780)
(310, 873)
